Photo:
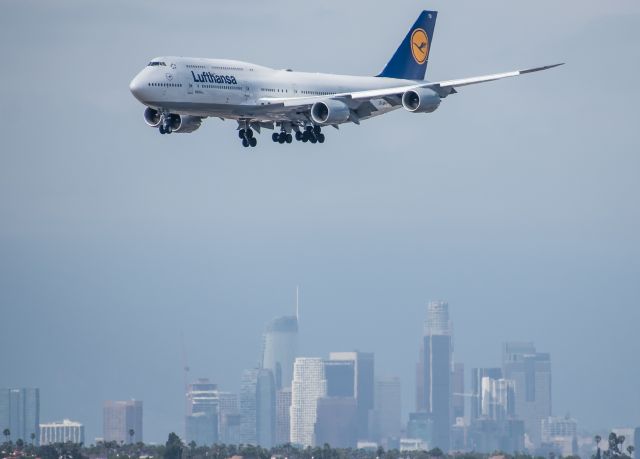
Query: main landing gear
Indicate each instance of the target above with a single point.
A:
(311, 134)
(282, 137)
(248, 140)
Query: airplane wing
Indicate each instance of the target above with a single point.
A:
(360, 102)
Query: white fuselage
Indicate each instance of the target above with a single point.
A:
(240, 90)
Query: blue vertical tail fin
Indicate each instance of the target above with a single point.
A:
(410, 60)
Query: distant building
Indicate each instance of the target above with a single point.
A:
(476, 388)
(201, 423)
(420, 426)
(257, 408)
(341, 378)
(61, 432)
(280, 349)
(488, 435)
(309, 384)
(336, 422)
(458, 391)
(497, 399)
(283, 413)
(561, 433)
(20, 413)
(121, 417)
(363, 386)
(388, 409)
(531, 372)
(413, 444)
(228, 417)
(436, 378)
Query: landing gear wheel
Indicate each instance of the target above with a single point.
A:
(161, 129)
(274, 136)
(253, 141)
(249, 134)
(321, 137)
(241, 133)
(289, 138)
(167, 130)
(313, 140)
(245, 143)
(298, 136)
(317, 130)
(282, 138)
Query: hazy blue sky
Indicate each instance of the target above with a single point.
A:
(517, 201)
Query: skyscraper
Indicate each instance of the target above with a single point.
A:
(119, 418)
(388, 408)
(309, 384)
(228, 418)
(458, 391)
(363, 385)
(257, 407)
(20, 413)
(280, 349)
(476, 388)
(201, 424)
(436, 378)
(531, 372)
(283, 416)
(497, 399)
(341, 378)
(61, 432)
(336, 422)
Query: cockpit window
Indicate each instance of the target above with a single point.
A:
(154, 63)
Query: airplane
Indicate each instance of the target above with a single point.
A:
(179, 92)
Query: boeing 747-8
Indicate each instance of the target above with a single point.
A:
(179, 92)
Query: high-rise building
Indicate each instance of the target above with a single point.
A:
(497, 399)
(283, 413)
(20, 413)
(437, 367)
(341, 378)
(531, 372)
(280, 349)
(309, 384)
(458, 391)
(476, 388)
(363, 386)
(201, 424)
(228, 418)
(257, 407)
(336, 422)
(61, 432)
(388, 409)
(561, 432)
(489, 435)
(120, 418)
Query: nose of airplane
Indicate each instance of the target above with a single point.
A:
(136, 87)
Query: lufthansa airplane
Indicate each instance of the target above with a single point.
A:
(180, 92)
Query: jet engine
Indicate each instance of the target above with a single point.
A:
(184, 123)
(421, 100)
(329, 112)
(152, 117)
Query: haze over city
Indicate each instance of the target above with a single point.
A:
(517, 204)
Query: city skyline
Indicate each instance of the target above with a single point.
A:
(519, 392)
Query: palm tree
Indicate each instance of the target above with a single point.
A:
(33, 437)
(131, 434)
(7, 434)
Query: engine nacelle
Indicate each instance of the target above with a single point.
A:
(152, 117)
(184, 124)
(330, 112)
(421, 100)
